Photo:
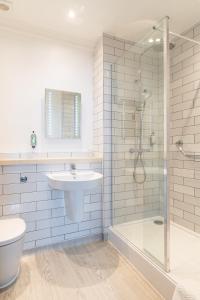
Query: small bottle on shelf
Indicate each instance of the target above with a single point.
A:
(33, 140)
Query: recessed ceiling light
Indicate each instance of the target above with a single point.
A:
(158, 40)
(150, 40)
(71, 14)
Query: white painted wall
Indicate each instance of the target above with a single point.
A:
(28, 65)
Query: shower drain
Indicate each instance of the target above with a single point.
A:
(158, 222)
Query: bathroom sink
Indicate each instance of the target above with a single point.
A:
(73, 181)
(74, 184)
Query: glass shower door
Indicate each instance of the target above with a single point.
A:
(155, 187)
(139, 145)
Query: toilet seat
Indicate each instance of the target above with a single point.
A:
(11, 230)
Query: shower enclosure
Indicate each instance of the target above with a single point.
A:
(140, 205)
(145, 148)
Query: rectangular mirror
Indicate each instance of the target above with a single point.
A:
(63, 114)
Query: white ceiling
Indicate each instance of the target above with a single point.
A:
(125, 18)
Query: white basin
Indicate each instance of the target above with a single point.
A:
(78, 180)
(74, 184)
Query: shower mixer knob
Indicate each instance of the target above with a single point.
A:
(132, 150)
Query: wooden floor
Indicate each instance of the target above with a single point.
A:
(93, 271)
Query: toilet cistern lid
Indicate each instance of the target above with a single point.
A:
(11, 230)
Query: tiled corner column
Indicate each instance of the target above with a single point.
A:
(98, 100)
(102, 129)
(108, 59)
(43, 208)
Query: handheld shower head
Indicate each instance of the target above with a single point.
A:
(179, 145)
(146, 95)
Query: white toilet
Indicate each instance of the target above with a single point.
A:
(12, 233)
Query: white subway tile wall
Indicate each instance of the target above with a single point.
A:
(185, 120)
(43, 208)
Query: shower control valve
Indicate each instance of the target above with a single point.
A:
(131, 150)
(23, 179)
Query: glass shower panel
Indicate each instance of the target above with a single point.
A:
(152, 148)
(138, 145)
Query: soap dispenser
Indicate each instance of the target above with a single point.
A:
(33, 140)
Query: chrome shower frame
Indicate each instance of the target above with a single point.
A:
(166, 149)
(166, 40)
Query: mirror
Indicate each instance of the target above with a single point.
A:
(63, 114)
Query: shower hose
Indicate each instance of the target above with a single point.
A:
(138, 162)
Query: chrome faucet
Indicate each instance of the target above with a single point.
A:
(73, 169)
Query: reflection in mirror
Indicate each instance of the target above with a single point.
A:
(63, 114)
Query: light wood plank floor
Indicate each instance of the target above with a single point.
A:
(93, 271)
